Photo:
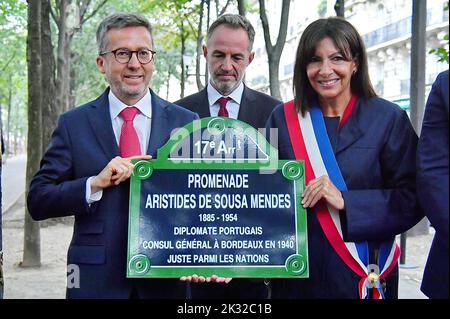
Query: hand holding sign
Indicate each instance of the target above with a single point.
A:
(116, 171)
(213, 278)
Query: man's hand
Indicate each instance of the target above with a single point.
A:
(118, 170)
(213, 278)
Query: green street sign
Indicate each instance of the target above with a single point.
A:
(217, 201)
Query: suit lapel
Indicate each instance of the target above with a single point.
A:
(160, 130)
(100, 121)
(351, 131)
(247, 110)
(202, 108)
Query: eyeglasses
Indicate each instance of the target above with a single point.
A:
(123, 56)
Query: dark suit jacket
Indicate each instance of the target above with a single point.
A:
(254, 109)
(432, 185)
(81, 146)
(375, 150)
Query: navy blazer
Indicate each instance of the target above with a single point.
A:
(432, 185)
(375, 150)
(255, 107)
(81, 146)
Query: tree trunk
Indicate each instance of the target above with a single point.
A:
(49, 107)
(15, 140)
(72, 83)
(9, 112)
(208, 19)
(1, 122)
(1, 212)
(217, 8)
(200, 85)
(31, 249)
(8, 129)
(63, 58)
(339, 8)
(274, 51)
(168, 83)
(1, 235)
(241, 8)
(183, 69)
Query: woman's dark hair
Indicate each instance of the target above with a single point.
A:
(350, 45)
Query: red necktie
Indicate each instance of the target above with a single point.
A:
(129, 141)
(223, 106)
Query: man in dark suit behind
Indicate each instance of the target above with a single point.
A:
(86, 168)
(228, 52)
(432, 185)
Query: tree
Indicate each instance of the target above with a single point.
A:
(13, 20)
(339, 8)
(322, 8)
(1, 214)
(69, 17)
(184, 14)
(199, 47)
(199, 51)
(242, 7)
(274, 51)
(47, 78)
(31, 251)
(50, 106)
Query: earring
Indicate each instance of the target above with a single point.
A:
(354, 72)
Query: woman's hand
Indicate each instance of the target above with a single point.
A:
(319, 188)
(213, 278)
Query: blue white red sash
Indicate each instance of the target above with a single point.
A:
(311, 143)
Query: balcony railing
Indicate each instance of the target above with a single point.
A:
(400, 28)
(388, 33)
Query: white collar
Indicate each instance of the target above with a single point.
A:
(214, 95)
(144, 105)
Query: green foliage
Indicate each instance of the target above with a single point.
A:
(168, 18)
(13, 68)
(172, 20)
(322, 8)
(442, 52)
(12, 13)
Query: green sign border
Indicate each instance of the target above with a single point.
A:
(296, 265)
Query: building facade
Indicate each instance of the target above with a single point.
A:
(385, 26)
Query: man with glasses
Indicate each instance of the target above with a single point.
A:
(86, 169)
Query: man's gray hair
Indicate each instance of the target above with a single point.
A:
(119, 21)
(234, 21)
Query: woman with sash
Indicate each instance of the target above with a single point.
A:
(359, 152)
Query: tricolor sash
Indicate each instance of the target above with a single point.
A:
(311, 144)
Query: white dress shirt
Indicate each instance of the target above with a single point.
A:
(142, 124)
(232, 105)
